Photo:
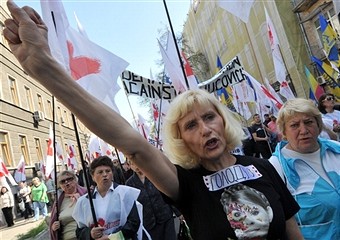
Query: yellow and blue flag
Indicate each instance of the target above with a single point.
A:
(315, 89)
(225, 94)
(330, 76)
(329, 37)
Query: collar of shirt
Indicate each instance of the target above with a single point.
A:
(95, 191)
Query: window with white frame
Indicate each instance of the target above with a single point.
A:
(5, 149)
(13, 90)
(24, 149)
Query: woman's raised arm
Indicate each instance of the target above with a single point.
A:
(27, 37)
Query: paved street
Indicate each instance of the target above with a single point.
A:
(20, 227)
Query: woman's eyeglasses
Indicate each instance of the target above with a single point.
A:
(63, 181)
(329, 98)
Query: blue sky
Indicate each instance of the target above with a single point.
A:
(127, 28)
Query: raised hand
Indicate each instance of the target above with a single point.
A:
(26, 34)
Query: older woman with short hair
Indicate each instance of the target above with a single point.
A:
(116, 207)
(310, 166)
(68, 194)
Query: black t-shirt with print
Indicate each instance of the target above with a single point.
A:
(258, 129)
(205, 214)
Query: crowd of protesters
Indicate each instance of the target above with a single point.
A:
(221, 195)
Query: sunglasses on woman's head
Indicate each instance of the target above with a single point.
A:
(329, 98)
(69, 179)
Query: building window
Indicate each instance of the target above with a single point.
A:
(2, 38)
(38, 149)
(29, 99)
(59, 117)
(249, 56)
(4, 150)
(71, 120)
(49, 109)
(229, 29)
(24, 149)
(40, 103)
(65, 118)
(214, 41)
(14, 91)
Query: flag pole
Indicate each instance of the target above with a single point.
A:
(120, 163)
(160, 112)
(80, 154)
(260, 113)
(159, 121)
(127, 98)
(177, 49)
(59, 232)
(89, 192)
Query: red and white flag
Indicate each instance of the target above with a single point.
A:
(19, 174)
(264, 97)
(272, 90)
(60, 154)
(71, 160)
(4, 173)
(279, 66)
(192, 81)
(155, 111)
(105, 148)
(92, 66)
(88, 156)
(94, 147)
(49, 155)
(143, 127)
(236, 98)
(42, 167)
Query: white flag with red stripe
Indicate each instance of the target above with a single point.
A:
(272, 91)
(49, 155)
(19, 174)
(105, 148)
(91, 66)
(94, 147)
(143, 128)
(192, 81)
(279, 66)
(60, 154)
(263, 96)
(71, 160)
(4, 173)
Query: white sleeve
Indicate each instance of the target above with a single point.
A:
(277, 165)
(80, 212)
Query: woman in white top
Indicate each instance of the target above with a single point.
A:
(24, 193)
(329, 114)
(7, 203)
(310, 167)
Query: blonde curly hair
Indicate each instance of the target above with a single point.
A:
(174, 146)
(294, 106)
